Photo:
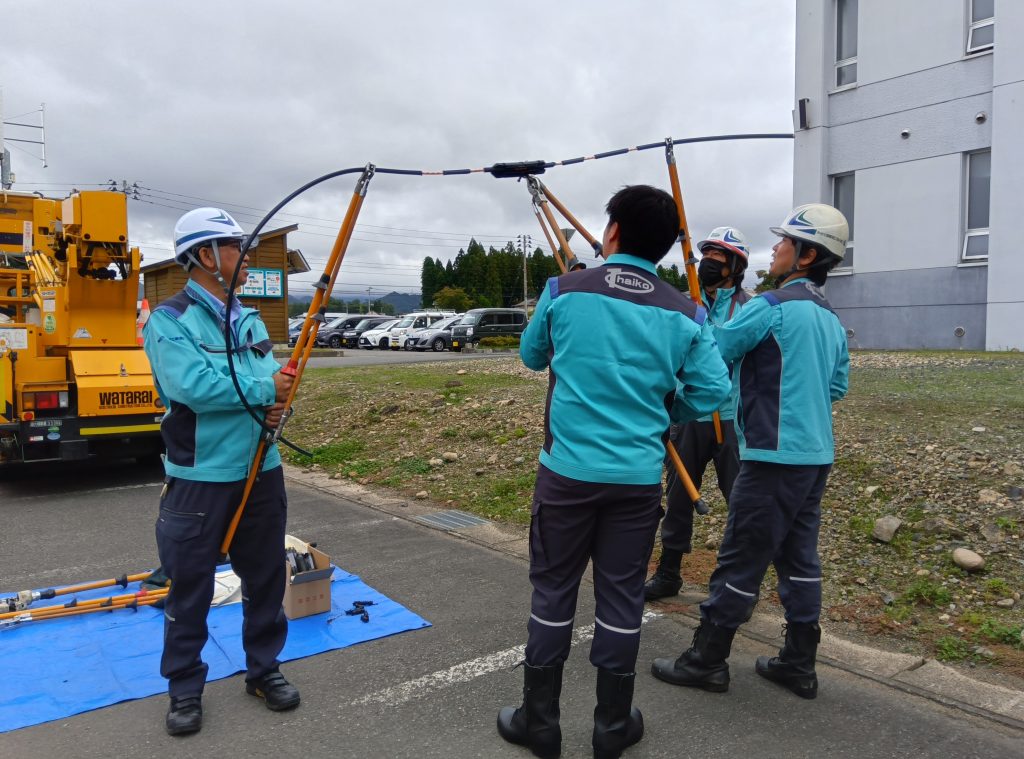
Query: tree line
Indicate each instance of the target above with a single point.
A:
(493, 277)
(341, 306)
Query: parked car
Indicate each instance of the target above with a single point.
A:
(487, 322)
(378, 337)
(295, 326)
(350, 337)
(330, 333)
(437, 337)
(413, 321)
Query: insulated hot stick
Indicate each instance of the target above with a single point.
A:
(540, 201)
(694, 285)
(25, 598)
(46, 611)
(31, 616)
(303, 345)
(541, 196)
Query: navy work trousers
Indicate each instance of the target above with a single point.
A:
(573, 522)
(697, 447)
(774, 515)
(193, 520)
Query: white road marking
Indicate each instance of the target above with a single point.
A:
(466, 671)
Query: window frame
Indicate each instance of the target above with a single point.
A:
(848, 257)
(973, 26)
(845, 62)
(969, 232)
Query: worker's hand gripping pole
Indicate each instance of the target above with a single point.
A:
(692, 282)
(304, 344)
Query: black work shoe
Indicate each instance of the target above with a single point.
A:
(703, 664)
(793, 668)
(662, 586)
(185, 715)
(279, 694)
(535, 724)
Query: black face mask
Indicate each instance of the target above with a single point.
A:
(709, 272)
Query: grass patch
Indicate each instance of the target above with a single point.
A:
(925, 592)
(951, 648)
(342, 452)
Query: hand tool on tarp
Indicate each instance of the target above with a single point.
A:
(542, 196)
(94, 603)
(36, 616)
(315, 317)
(23, 599)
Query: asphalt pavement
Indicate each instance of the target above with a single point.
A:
(433, 692)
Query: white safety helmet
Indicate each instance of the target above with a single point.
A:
(203, 226)
(818, 224)
(729, 239)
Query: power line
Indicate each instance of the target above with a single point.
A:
(263, 211)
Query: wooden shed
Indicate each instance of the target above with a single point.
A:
(267, 289)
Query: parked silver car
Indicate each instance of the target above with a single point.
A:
(437, 337)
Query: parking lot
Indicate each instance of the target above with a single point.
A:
(378, 357)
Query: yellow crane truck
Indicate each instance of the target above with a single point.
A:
(74, 382)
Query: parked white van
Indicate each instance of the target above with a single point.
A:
(414, 321)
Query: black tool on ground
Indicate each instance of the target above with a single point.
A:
(359, 610)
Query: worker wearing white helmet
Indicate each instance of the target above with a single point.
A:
(725, 255)
(209, 437)
(788, 355)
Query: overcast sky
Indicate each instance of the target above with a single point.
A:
(242, 102)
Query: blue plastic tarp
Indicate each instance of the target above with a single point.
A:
(61, 667)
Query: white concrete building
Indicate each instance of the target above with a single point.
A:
(909, 118)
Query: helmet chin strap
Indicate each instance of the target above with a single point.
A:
(798, 249)
(216, 270)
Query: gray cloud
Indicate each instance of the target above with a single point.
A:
(241, 102)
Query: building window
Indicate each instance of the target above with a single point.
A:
(846, 43)
(981, 32)
(842, 198)
(978, 180)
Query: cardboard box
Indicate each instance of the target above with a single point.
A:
(308, 593)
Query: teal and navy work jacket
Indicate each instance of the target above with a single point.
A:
(727, 305)
(788, 352)
(627, 354)
(208, 434)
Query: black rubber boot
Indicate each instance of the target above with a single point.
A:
(794, 666)
(617, 723)
(535, 723)
(666, 580)
(703, 664)
(279, 694)
(185, 715)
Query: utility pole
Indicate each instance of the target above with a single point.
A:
(6, 177)
(368, 309)
(526, 241)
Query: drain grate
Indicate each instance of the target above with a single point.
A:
(451, 520)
